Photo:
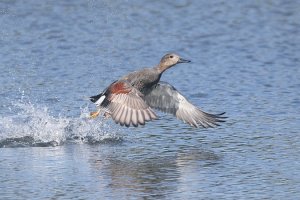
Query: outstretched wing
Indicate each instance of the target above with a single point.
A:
(126, 105)
(166, 98)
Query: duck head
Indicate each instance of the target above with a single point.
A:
(170, 60)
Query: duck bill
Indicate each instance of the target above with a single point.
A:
(181, 60)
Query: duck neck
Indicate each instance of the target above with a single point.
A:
(161, 68)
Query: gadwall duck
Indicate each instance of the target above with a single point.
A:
(129, 100)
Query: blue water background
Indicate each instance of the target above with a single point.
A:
(245, 61)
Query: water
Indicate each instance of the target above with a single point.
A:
(245, 61)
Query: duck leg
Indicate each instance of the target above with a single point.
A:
(107, 115)
(95, 114)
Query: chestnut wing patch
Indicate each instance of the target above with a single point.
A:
(120, 87)
(127, 106)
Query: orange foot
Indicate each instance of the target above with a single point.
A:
(95, 114)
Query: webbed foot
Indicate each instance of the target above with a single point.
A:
(94, 114)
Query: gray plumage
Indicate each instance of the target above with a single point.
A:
(166, 98)
(129, 101)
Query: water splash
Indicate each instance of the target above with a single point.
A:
(83, 129)
(32, 125)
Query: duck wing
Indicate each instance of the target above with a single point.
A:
(166, 98)
(126, 105)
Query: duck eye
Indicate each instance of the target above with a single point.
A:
(171, 56)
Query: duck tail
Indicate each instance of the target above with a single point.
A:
(98, 99)
(95, 98)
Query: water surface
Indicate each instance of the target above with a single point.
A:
(245, 61)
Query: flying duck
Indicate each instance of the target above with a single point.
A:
(131, 99)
